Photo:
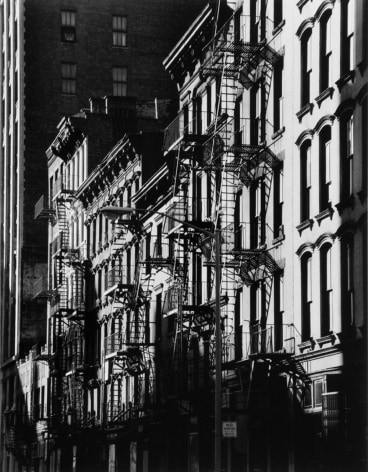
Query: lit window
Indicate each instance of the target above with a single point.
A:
(68, 78)
(68, 26)
(119, 81)
(306, 66)
(325, 52)
(119, 30)
(305, 181)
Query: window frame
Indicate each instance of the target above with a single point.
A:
(326, 288)
(324, 168)
(305, 180)
(325, 51)
(119, 31)
(68, 26)
(306, 67)
(119, 81)
(68, 78)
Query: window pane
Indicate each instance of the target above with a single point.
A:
(327, 162)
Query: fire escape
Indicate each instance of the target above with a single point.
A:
(65, 290)
(235, 152)
(129, 347)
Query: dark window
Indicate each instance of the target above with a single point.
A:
(325, 52)
(278, 202)
(197, 115)
(277, 12)
(119, 81)
(68, 26)
(346, 156)
(209, 104)
(306, 292)
(347, 36)
(257, 213)
(347, 274)
(324, 168)
(305, 181)
(119, 30)
(257, 112)
(279, 310)
(258, 15)
(148, 253)
(277, 96)
(68, 78)
(306, 67)
(326, 289)
(159, 241)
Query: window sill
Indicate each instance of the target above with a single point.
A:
(279, 239)
(329, 339)
(324, 214)
(307, 345)
(304, 225)
(343, 80)
(278, 27)
(327, 93)
(278, 133)
(308, 108)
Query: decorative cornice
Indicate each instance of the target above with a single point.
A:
(325, 120)
(347, 105)
(304, 248)
(304, 136)
(306, 24)
(325, 238)
(326, 5)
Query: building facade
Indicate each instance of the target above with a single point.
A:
(268, 149)
(50, 53)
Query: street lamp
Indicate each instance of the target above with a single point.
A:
(113, 212)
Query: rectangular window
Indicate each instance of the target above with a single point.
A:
(277, 12)
(305, 177)
(68, 26)
(119, 31)
(119, 81)
(325, 52)
(277, 97)
(347, 43)
(68, 78)
(306, 56)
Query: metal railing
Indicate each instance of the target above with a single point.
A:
(130, 334)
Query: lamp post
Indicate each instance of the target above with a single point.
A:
(113, 212)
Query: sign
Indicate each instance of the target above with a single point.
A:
(229, 429)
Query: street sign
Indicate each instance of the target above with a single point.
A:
(229, 429)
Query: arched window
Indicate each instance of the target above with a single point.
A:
(305, 181)
(326, 288)
(306, 295)
(325, 51)
(324, 168)
(306, 66)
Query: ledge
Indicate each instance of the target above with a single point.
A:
(327, 93)
(278, 133)
(304, 225)
(343, 80)
(308, 108)
(324, 214)
(279, 239)
(310, 344)
(329, 339)
(278, 27)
